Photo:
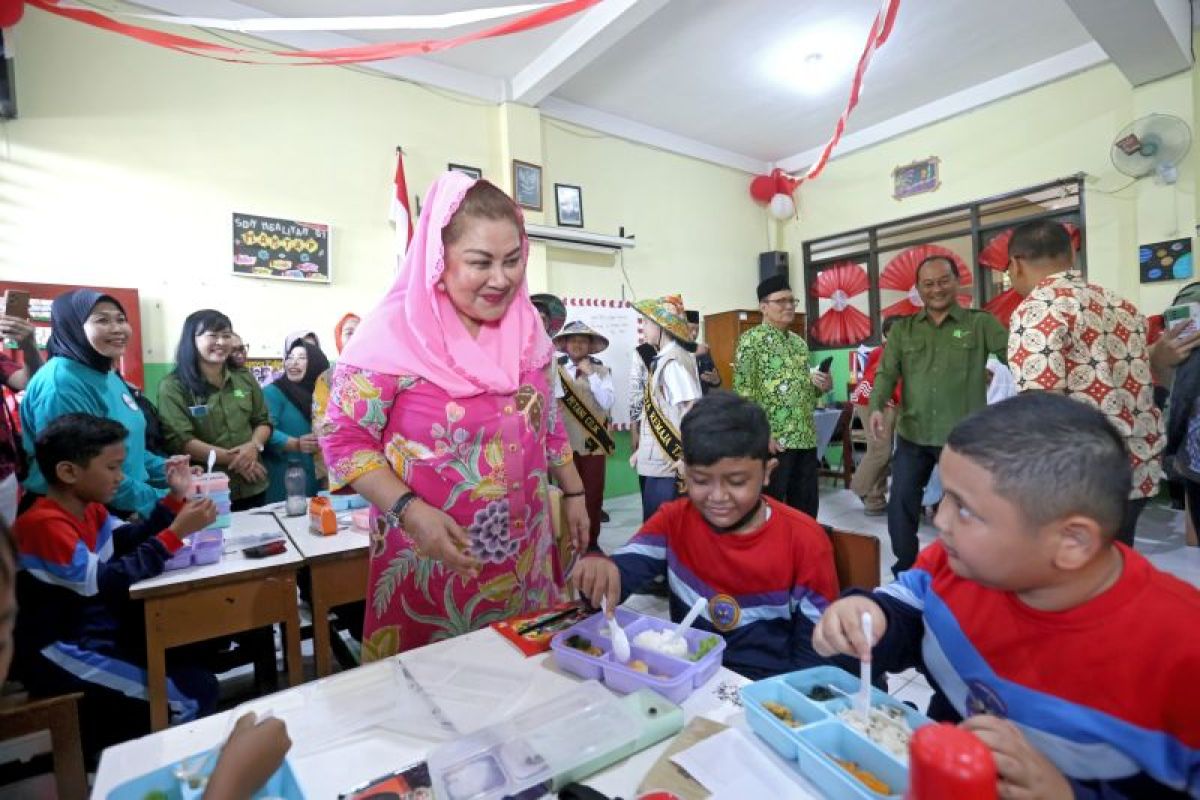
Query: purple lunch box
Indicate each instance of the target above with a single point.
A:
(673, 678)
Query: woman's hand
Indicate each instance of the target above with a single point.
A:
(178, 470)
(438, 537)
(242, 457)
(577, 522)
(307, 443)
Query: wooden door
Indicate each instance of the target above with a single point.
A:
(722, 331)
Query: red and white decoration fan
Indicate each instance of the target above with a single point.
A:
(900, 277)
(995, 257)
(843, 306)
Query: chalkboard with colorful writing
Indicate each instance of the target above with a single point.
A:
(267, 247)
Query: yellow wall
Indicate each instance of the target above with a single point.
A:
(127, 160)
(697, 231)
(1050, 132)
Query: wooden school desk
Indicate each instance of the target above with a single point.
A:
(236, 595)
(338, 567)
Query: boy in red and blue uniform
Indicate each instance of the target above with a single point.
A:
(765, 569)
(1067, 653)
(78, 631)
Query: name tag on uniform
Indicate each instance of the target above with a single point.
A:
(198, 411)
(238, 393)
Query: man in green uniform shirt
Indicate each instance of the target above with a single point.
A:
(941, 353)
(771, 368)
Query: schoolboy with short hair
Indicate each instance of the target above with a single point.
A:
(78, 630)
(765, 569)
(1068, 653)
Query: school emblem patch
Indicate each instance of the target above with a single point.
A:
(724, 612)
(983, 699)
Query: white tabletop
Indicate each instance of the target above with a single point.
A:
(245, 523)
(457, 674)
(314, 546)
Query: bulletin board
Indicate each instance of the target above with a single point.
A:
(41, 295)
(621, 325)
(283, 249)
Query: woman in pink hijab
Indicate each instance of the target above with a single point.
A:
(441, 413)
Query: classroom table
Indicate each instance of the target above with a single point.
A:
(329, 757)
(338, 567)
(235, 595)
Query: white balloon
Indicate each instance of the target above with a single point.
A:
(782, 206)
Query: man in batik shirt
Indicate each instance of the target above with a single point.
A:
(771, 368)
(1075, 338)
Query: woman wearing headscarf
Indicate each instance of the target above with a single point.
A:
(306, 335)
(441, 414)
(342, 332)
(290, 402)
(205, 406)
(89, 331)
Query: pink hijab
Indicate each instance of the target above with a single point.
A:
(416, 331)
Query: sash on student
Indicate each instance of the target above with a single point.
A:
(598, 437)
(664, 432)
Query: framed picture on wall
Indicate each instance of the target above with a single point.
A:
(568, 203)
(527, 185)
(470, 172)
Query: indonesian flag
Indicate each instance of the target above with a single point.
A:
(400, 215)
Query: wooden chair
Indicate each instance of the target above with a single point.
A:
(844, 436)
(856, 556)
(21, 716)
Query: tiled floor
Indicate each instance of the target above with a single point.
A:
(1160, 538)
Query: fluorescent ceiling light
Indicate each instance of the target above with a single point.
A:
(815, 62)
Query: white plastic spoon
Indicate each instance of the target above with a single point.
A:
(864, 671)
(620, 641)
(692, 613)
(212, 460)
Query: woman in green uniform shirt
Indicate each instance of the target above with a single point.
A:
(206, 406)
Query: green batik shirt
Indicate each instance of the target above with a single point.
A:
(771, 368)
(226, 418)
(944, 369)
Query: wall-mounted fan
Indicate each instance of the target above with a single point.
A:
(1152, 145)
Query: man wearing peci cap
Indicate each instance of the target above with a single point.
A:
(771, 368)
(587, 398)
(709, 377)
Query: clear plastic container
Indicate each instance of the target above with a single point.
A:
(296, 483)
(564, 739)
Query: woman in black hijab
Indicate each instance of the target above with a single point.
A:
(290, 401)
(89, 332)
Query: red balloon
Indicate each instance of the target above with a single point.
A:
(11, 12)
(783, 183)
(762, 188)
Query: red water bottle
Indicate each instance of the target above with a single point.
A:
(946, 762)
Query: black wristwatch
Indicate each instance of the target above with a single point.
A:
(396, 513)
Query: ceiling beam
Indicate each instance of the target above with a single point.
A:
(648, 135)
(595, 32)
(1147, 40)
(1018, 81)
(411, 68)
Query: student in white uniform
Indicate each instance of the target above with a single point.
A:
(673, 385)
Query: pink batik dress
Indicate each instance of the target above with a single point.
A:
(483, 460)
